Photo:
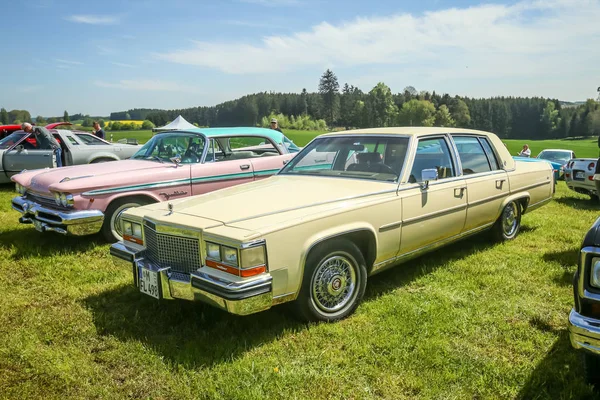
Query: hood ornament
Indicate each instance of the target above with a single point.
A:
(170, 207)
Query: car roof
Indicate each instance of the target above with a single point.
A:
(570, 151)
(407, 130)
(237, 131)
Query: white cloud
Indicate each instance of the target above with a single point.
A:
(525, 39)
(118, 64)
(65, 63)
(147, 85)
(94, 19)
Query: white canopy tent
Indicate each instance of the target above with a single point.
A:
(178, 123)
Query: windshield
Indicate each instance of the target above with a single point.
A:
(11, 140)
(556, 156)
(291, 147)
(358, 157)
(162, 147)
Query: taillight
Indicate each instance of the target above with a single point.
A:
(591, 166)
(591, 177)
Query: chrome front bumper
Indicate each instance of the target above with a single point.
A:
(240, 298)
(77, 223)
(584, 332)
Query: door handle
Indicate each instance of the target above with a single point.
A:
(500, 183)
(458, 192)
(245, 166)
(46, 155)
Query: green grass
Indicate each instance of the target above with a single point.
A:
(583, 148)
(473, 320)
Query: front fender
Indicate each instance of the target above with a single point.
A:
(324, 235)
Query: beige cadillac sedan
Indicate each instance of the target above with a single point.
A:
(349, 205)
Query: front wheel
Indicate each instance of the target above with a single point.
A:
(509, 223)
(111, 228)
(334, 282)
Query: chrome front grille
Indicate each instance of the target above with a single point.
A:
(181, 254)
(45, 201)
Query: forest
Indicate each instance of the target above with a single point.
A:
(345, 107)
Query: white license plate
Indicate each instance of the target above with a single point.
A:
(149, 282)
(580, 175)
(38, 225)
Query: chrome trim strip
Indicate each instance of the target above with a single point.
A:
(534, 185)
(312, 205)
(121, 189)
(531, 207)
(224, 177)
(231, 285)
(267, 172)
(434, 214)
(490, 198)
(389, 227)
(380, 266)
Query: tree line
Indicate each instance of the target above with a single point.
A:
(349, 107)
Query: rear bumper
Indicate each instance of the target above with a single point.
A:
(584, 186)
(77, 223)
(241, 298)
(584, 332)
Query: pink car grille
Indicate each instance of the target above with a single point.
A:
(181, 254)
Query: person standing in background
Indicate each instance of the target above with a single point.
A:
(45, 140)
(526, 152)
(275, 125)
(99, 132)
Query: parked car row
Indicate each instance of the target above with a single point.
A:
(194, 218)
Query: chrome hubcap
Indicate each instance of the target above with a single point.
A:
(334, 284)
(509, 219)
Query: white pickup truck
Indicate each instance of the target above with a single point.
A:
(579, 176)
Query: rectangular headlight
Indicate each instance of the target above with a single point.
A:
(127, 228)
(137, 229)
(253, 256)
(213, 251)
(230, 255)
(595, 273)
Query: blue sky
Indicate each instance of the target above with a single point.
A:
(97, 57)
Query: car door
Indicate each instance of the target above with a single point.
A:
(27, 155)
(487, 183)
(220, 169)
(266, 158)
(436, 211)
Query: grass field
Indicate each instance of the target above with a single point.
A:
(476, 320)
(587, 147)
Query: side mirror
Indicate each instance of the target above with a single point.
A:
(20, 148)
(176, 160)
(428, 175)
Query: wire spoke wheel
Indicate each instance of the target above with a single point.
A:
(334, 283)
(510, 219)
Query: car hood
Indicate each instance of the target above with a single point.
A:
(263, 205)
(79, 178)
(555, 165)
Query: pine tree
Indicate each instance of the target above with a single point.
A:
(3, 116)
(329, 91)
(66, 116)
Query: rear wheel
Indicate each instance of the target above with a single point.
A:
(334, 282)
(509, 223)
(111, 228)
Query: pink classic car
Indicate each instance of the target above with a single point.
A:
(85, 199)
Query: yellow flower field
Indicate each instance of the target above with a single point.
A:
(137, 123)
